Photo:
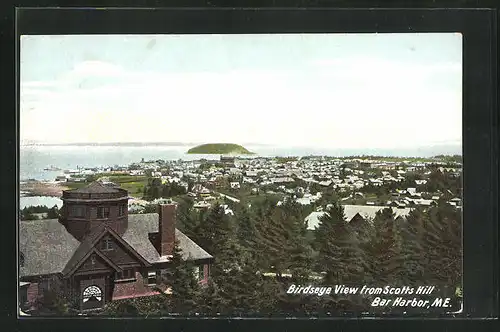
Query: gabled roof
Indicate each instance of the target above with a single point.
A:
(74, 264)
(49, 248)
(87, 247)
(82, 252)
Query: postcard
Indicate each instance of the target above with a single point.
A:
(240, 175)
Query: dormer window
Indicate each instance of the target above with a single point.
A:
(107, 243)
(103, 212)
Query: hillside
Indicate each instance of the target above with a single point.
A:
(219, 148)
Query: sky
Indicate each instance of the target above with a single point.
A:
(303, 90)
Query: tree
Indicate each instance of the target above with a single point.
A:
(183, 283)
(339, 252)
(215, 230)
(384, 259)
(246, 234)
(188, 218)
(123, 308)
(412, 249)
(55, 301)
(53, 213)
(297, 248)
(272, 244)
(442, 243)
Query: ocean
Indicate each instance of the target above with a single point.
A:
(33, 159)
(39, 200)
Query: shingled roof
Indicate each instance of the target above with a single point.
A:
(139, 228)
(46, 246)
(49, 248)
(97, 188)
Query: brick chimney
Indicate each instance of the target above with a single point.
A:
(166, 227)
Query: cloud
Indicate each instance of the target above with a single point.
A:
(96, 69)
(382, 69)
(339, 106)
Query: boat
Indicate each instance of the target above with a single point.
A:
(52, 169)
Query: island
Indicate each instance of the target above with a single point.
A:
(219, 148)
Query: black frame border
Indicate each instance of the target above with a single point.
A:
(480, 124)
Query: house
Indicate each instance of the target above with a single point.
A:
(201, 190)
(356, 214)
(227, 210)
(201, 205)
(96, 252)
(251, 173)
(227, 161)
(235, 185)
(61, 178)
(411, 191)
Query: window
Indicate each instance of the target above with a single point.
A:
(44, 286)
(78, 211)
(21, 259)
(92, 293)
(121, 210)
(151, 278)
(102, 212)
(107, 243)
(23, 296)
(125, 274)
(201, 273)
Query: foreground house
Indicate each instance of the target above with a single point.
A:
(96, 252)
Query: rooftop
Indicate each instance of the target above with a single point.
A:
(97, 187)
(48, 247)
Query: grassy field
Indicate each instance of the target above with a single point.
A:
(133, 184)
(134, 188)
(75, 185)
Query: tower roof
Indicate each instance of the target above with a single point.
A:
(97, 188)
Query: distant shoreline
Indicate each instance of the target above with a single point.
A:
(42, 188)
(129, 144)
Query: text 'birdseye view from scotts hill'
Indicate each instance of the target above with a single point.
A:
(272, 175)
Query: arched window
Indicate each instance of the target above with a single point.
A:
(93, 293)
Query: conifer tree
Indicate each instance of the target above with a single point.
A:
(209, 302)
(247, 234)
(339, 253)
(412, 249)
(443, 247)
(183, 283)
(298, 251)
(272, 242)
(188, 219)
(214, 230)
(384, 259)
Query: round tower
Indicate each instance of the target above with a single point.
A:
(96, 204)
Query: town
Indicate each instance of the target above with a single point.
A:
(308, 220)
(361, 181)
